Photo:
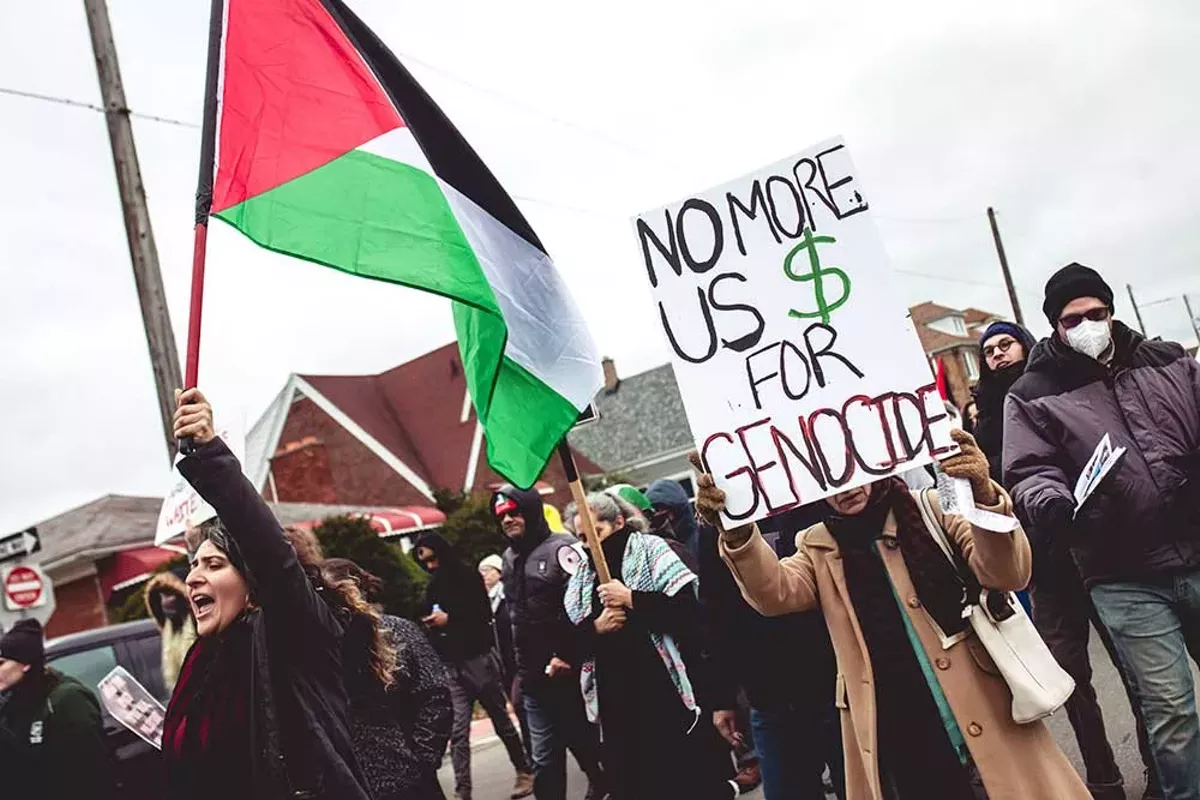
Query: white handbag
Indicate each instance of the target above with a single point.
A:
(1039, 686)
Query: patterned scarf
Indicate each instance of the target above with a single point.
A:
(649, 565)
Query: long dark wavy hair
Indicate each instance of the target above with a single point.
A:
(367, 647)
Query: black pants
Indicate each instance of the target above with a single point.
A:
(1063, 614)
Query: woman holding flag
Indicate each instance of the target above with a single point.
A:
(640, 679)
(260, 708)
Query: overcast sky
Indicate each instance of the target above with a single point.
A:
(1076, 120)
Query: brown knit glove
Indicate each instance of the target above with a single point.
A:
(970, 463)
(710, 502)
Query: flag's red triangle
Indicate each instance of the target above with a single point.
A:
(296, 95)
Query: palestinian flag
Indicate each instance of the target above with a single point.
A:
(327, 149)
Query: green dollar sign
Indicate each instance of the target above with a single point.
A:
(817, 276)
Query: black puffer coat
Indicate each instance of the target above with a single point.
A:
(1144, 520)
(300, 733)
(535, 581)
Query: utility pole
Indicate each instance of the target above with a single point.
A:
(1191, 317)
(142, 252)
(1008, 282)
(1137, 312)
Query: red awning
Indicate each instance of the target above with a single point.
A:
(396, 521)
(131, 567)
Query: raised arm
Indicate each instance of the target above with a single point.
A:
(281, 586)
(771, 586)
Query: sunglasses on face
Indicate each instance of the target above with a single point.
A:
(1001, 346)
(1095, 315)
(427, 560)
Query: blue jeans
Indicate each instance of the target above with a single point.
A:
(1154, 626)
(794, 745)
(558, 722)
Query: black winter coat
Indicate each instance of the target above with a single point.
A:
(990, 392)
(400, 736)
(783, 662)
(458, 590)
(1144, 520)
(534, 585)
(300, 733)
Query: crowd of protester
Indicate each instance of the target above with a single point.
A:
(823, 652)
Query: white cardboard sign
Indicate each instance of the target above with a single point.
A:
(800, 372)
(182, 506)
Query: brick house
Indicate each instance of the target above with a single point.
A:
(951, 336)
(388, 439)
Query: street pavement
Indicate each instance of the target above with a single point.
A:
(493, 775)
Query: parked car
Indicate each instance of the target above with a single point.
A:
(90, 655)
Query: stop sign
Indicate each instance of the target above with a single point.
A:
(23, 588)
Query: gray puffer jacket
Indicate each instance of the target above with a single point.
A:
(1144, 521)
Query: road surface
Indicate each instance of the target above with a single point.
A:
(493, 775)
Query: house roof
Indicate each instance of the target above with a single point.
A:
(115, 523)
(418, 413)
(977, 316)
(641, 420)
(107, 525)
(924, 313)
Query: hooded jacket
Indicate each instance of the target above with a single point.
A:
(535, 581)
(299, 731)
(458, 590)
(52, 740)
(177, 636)
(990, 392)
(684, 528)
(1143, 521)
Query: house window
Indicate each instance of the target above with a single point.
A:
(972, 365)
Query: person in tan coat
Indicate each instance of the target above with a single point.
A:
(924, 711)
(168, 605)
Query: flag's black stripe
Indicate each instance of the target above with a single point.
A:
(208, 131)
(451, 157)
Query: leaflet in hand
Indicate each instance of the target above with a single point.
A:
(1097, 468)
(956, 497)
(133, 706)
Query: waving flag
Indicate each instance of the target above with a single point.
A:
(328, 150)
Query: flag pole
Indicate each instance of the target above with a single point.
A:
(585, 512)
(204, 189)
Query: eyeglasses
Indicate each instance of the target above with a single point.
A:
(1069, 321)
(1001, 346)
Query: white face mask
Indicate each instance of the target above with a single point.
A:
(1090, 338)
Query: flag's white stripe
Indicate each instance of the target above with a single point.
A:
(400, 145)
(546, 332)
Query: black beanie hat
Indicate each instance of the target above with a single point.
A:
(1070, 283)
(23, 643)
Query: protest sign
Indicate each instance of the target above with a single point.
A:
(182, 506)
(800, 372)
(133, 706)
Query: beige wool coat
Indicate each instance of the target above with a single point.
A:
(1016, 762)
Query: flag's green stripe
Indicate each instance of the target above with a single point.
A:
(381, 219)
(378, 218)
(527, 421)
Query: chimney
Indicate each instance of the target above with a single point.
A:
(611, 381)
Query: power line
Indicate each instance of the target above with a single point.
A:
(66, 101)
(947, 278)
(614, 142)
